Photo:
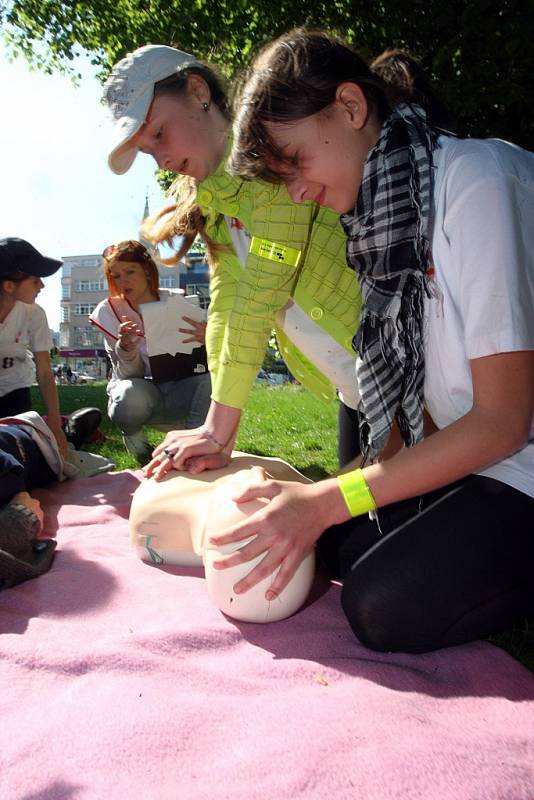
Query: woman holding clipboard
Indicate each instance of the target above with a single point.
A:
(136, 396)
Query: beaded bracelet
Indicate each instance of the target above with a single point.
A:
(356, 493)
(212, 439)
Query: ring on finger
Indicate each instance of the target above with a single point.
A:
(168, 453)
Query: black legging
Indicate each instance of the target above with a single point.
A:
(348, 434)
(450, 567)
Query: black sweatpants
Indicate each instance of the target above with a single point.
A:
(348, 434)
(446, 568)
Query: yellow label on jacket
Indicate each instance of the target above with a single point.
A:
(275, 251)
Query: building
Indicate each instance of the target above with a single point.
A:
(83, 286)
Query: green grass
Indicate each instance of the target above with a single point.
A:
(283, 421)
(287, 422)
(290, 423)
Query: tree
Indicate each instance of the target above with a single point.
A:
(478, 52)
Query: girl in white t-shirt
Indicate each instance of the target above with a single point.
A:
(134, 399)
(440, 233)
(25, 340)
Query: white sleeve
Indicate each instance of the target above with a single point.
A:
(125, 364)
(491, 234)
(38, 330)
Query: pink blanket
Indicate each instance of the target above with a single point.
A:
(121, 680)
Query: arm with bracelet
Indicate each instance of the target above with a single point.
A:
(356, 493)
(297, 516)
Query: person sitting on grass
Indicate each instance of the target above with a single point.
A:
(134, 399)
(24, 328)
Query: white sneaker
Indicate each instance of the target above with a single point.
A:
(138, 445)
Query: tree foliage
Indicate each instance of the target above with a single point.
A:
(478, 52)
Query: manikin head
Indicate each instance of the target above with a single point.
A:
(172, 520)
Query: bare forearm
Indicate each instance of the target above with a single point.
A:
(468, 445)
(48, 390)
(223, 422)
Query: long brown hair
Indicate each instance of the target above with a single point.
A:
(133, 251)
(407, 82)
(181, 219)
(294, 77)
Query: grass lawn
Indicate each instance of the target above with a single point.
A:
(283, 421)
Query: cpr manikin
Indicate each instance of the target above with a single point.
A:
(171, 521)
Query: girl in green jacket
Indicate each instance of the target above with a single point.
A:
(294, 275)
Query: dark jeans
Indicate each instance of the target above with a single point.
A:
(22, 465)
(447, 568)
(16, 402)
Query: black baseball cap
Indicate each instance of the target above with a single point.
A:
(18, 255)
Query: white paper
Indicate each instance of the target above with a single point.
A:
(161, 321)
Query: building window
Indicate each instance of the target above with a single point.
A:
(90, 286)
(65, 314)
(83, 309)
(64, 338)
(65, 291)
(90, 262)
(168, 282)
(197, 288)
(203, 291)
(86, 337)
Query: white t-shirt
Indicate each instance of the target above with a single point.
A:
(24, 329)
(483, 298)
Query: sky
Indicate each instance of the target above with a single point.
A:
(57, 190)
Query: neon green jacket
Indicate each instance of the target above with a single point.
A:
(245, 301)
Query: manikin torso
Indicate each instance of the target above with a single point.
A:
(172, 520)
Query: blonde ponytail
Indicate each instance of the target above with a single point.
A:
(184, 219)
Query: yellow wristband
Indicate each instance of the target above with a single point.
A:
(273, 251)
(356, 493)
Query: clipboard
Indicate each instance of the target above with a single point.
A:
(170, 358)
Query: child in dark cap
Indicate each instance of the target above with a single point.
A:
(23, 328)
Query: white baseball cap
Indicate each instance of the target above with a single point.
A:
(129, 91)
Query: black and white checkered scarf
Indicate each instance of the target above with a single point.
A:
(389, 236)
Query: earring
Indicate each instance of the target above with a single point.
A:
(205, 106)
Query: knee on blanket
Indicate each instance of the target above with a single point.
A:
(389, 618)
